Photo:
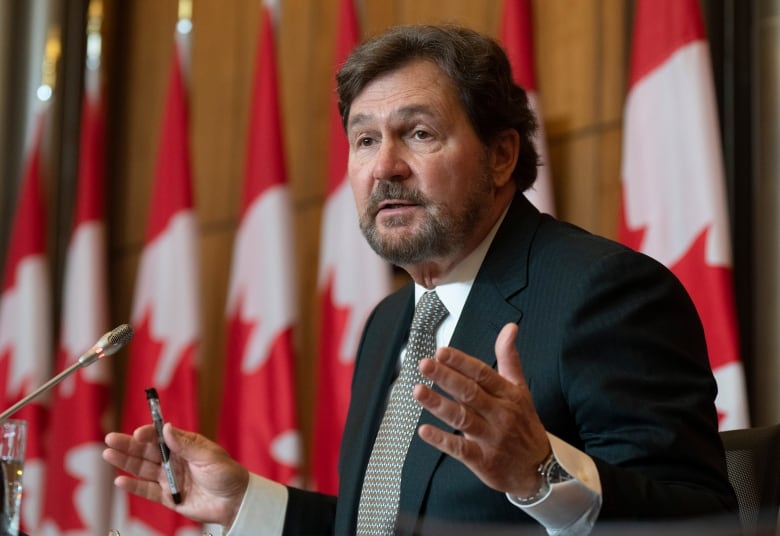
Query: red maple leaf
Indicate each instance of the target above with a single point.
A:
(83, 425)
(711, 288)
(268, 390)
(633, 238)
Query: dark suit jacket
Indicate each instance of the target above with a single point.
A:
(614, 355)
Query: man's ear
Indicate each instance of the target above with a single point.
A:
(504, 150)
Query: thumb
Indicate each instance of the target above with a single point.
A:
(507, 357)
(191, 446)
(180, 441)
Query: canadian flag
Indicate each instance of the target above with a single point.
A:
(26, 324)
(518, 39)
(166, 308)
(258, 423)
(674, 202)
(352, 279)
(78, 481)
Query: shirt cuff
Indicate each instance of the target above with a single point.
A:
(263, 509)
(569, 504)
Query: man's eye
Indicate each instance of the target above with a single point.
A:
(364, 141)
(421, 135)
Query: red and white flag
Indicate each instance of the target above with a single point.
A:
(166, 306)
(518, 39)
(258, 424)
(78, 481)
(674, 201)
(352, 279)
(26, 324)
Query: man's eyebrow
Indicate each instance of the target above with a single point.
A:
(357, 119)
(402, 113)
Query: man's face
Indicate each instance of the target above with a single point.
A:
(419, 173)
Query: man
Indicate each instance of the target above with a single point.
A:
(571, 379)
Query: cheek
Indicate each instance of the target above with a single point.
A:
(445, 178)
(361, 187)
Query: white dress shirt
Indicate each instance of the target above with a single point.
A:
(570, 508)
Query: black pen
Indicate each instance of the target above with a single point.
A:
(157, 419)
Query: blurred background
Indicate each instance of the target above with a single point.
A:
(582, 51)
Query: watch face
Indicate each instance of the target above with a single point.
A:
(557, 474)
(544, 487)
(552, 473)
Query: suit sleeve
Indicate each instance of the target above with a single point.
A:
(635, 376)
(309, 513)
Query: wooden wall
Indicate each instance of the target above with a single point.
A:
(581, 55)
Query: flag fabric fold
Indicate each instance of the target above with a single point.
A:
(258, 422)
(165, 313)
(351, 279)
(674, 200)
(78, 481)
(26, 323)
(517, 37)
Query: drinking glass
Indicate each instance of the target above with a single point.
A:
(12, 443)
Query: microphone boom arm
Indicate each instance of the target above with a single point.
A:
(39, 391)
(107, 345)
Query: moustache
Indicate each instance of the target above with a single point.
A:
(393, 191)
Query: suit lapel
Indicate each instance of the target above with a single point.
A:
(488, 308)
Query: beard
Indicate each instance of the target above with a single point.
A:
(442, 233)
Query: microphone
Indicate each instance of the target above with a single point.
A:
(108, 344)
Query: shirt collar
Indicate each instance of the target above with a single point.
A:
(456, 285)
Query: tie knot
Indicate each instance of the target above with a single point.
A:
(429, 313)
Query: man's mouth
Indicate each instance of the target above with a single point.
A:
(391, 204)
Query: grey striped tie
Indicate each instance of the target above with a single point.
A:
(381, 492)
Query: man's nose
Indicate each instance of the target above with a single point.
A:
(390, 161)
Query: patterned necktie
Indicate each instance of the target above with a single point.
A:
(381, 492)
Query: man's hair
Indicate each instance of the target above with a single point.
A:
(479, 70)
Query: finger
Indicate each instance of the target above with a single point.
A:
(146, 433)
(175, 438)
(115, 440)
(450, 444)
(133, 447)
(456, 415)
(182, 441)
(500, 383)
(507, 357)
(137, 466)
(143, 488)
(453, 379)
(466, 379)
(471, 368)
(189, 445)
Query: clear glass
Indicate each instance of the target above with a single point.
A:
(12, 444)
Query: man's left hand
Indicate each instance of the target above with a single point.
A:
(501, 439)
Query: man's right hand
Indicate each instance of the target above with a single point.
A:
(211, 483)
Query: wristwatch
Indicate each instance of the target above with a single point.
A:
(551, 473)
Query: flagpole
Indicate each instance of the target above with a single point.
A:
(183, 30)
(94, 38)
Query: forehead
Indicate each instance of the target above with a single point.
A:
(417, 85)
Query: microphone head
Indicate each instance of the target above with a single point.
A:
(108, 344)
(117, 338)
(121, 335)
